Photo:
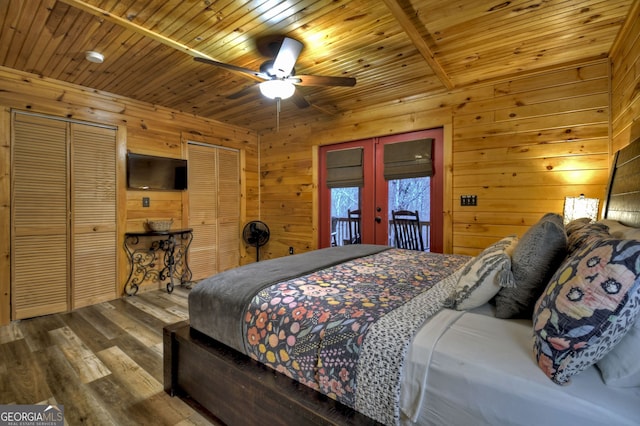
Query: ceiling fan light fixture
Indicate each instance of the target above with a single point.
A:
(277, 89)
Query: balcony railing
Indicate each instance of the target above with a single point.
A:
(340, 232)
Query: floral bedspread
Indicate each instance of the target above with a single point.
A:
(312, 328)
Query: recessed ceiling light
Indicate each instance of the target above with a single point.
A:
(94, 57)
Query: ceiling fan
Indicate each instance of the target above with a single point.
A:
(276, 77)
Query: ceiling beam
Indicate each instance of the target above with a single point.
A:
(418, 41)
(138, 29)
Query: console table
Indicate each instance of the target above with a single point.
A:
(170, 248)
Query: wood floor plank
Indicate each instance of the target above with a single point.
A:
(10, 333)
(179, 297)
(87, 332)
(162, 406)
(85, 363)
(161, 314)
(36, 331)
(99, 322)
(130, 324)
(175, 303)
(27, 380)
(152, 323)
(6, 393)
(179, 312)
(159, 348)
(52, 360)
(194, 420)
(145, 356)
(80, 403)
(138, 381)
(112, 393)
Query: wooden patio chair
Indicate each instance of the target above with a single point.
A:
(406, 226)
(354, 227)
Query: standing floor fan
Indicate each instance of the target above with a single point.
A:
(256, 233)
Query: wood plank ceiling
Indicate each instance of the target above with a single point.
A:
(396, 49)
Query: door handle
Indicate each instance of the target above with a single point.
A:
(378, 219)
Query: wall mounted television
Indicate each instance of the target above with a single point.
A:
(148, 172)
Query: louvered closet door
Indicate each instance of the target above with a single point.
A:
(39, 217)
(228, 209)
(203, 210)
(214, 209)
(93, 218)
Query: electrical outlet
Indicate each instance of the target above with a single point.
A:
(146, 202)
(290, 250)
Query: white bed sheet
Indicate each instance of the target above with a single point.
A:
(469, 368)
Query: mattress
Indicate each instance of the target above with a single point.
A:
(469, 368)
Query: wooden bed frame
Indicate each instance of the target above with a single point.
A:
(237, 390)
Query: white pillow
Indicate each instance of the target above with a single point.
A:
(618, 230)
(621, 366)
(484, 275)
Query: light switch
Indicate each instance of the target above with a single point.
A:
(468, 200)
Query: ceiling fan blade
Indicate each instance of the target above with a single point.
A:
(243, 92)
(300, 101)
(287, 56)
(320, 80)
(256, 75)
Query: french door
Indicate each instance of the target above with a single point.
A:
(374, 196)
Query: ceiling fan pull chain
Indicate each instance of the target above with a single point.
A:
(278, 114)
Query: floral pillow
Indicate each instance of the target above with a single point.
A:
(589, 305)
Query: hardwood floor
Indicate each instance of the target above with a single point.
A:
(103, 363)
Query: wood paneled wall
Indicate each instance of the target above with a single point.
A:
(625, 82)
(520, 145)
(524, 147)
(143, 128)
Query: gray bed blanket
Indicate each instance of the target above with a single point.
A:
(217, 304)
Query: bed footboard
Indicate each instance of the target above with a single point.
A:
(238, 390)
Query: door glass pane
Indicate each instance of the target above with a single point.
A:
(343, 200)
(411, 194)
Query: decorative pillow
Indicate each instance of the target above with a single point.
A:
(483, 276)
(621, 366)
(585, 234)
(576, 224)
(590, 303)
(536, 257)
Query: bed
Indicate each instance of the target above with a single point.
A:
(375, 335)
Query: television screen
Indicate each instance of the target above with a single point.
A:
(150, 172)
